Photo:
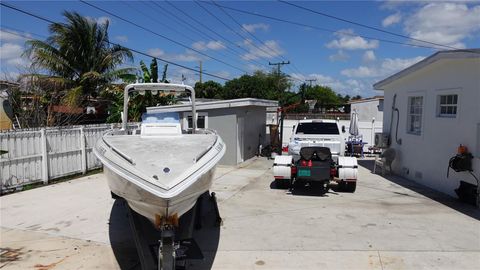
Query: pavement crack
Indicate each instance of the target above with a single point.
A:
(380, 258)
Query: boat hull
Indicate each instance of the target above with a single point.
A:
(150, 205)
(133, 170)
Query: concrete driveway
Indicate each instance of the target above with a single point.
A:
(386, 224)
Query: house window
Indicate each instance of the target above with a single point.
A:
(202, 120)
(447, 105)
(414, 117)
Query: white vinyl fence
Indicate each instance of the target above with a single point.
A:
(48, 153)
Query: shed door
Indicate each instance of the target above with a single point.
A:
(240, 132)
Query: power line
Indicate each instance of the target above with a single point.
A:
(226, 25)
(160, 35)
(109, 42)
(321, 28)
(231, 50)
(252, 35)
(364, 25)
(167, 26)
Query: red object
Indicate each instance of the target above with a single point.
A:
(310, 163)
(278, 177)
(285, 149)
(293, 170)
(333, 172)
(303, 163)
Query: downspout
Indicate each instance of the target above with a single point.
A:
(125, 108)
(194, 110)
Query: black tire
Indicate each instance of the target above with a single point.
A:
(350, 187)
(114, 196)
(281, 183)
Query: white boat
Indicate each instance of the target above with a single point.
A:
(161, 168)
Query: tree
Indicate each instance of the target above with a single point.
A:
(79, 58)
(208, 89)
(259, 85)
(138, 103)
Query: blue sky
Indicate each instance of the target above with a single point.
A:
(340, 58)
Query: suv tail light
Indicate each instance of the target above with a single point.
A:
(285, 149)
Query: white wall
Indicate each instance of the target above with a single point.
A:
(368, 109)
(424, 158)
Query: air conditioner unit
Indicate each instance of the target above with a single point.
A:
(382, 140)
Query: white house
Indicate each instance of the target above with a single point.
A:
(430, 109)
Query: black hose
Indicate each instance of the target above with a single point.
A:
(396, 131)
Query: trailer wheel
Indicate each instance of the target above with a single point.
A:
(349, 186)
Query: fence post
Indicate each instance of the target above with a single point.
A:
(83, 150)
(43, 142)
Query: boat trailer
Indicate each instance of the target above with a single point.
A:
(170, 247)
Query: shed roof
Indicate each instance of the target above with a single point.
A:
(365, 99)
(219, 104)
(451, 54)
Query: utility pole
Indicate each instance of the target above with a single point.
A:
(201, 71)
(310, 81)
(278, 64)
(282, 113)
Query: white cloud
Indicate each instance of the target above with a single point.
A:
(392, 19)
(346, 39)
(191, 77)
(17, 61)
(369, 56)
(444, 23)
(156, 52)
(11, 36)
(385, 68)
(256, 26)
(269, 49)
(253, 67)
(121, 38)
(10, 50)
(350, 86)
(103, 20)
(188, 56)
(211, 45)
(339, 56)
(100, 20)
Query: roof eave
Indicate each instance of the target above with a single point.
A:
(452, 54)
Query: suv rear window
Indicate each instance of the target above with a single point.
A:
(318, 128)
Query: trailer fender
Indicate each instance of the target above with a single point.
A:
(282, 167)
(347, 169)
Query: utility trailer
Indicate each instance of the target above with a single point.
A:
(315, 157)
(170, 249)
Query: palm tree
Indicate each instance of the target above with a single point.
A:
(79, 57)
